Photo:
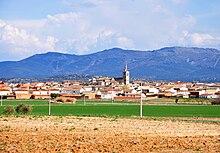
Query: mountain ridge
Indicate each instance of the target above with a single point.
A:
(169, 63)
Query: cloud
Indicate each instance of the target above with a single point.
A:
(199, 40)
(94, 25)
(178, 1)
(19, 43)
(27, 24)
(2, 23)
(79, 34)
(81, 3)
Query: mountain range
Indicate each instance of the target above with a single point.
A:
(170, 63)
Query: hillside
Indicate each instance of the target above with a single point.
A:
(172, 63)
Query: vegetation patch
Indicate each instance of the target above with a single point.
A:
(9, 110)
(216, 101)
(23, 109)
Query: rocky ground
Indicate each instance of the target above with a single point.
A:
(93, 134)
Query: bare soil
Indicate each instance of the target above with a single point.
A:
(93, 134)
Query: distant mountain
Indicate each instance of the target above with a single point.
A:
(171, 63)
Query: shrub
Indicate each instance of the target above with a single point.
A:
(216, 101)
(54, 95)
(23, 109)
(9, 110)
(64, 99)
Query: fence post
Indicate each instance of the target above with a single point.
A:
(141, 115)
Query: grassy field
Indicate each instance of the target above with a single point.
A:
(118, 108)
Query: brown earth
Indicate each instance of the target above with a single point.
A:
(93, 134)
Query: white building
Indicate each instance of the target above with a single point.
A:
(126, 75)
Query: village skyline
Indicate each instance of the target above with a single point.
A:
(109, 88)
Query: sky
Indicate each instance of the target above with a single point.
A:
(29, 27)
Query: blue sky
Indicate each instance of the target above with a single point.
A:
(86, 26)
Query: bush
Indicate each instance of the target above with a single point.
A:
(9, 110)
(54, 95)
(64, 99)
(23, 109)
(216, 101)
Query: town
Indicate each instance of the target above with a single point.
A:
(107, 88)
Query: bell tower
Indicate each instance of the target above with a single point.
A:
(126, 75)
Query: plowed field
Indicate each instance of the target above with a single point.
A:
(93, 134)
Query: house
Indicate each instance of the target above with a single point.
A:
(107, 95)
(210, 91)
(25, 86)
(88, 88)
(196, 93)
(151, 96)
(72, 96)
(23, 96)
(153, 90)
(53, 91)
(72, 90)
(4, 92)
(4, 86)
(171, 90)
(104, 81)
(89, 95)
(40, 96)
(39, 92)
(129, 91)
(21, 92)
(39, 85)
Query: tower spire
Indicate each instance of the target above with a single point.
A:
(126, 75)
(126, 67)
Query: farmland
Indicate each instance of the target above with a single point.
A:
(99, 134)
(110, 127)
(118, 108)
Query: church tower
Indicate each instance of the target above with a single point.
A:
(126, 75)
